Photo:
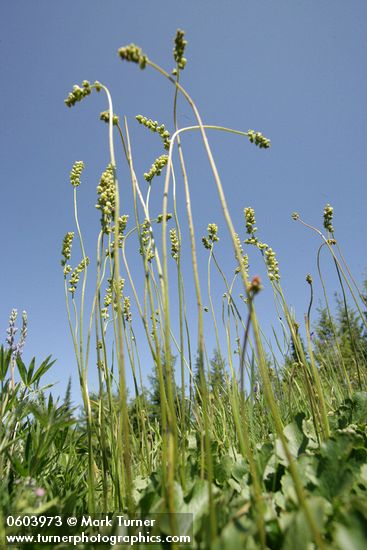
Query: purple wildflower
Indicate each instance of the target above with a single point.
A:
(11, 330)
(40, 492)
(23, 335)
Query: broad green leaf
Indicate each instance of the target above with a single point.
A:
(233, 537)
(297, 440)
(30, 371)
(359, 403)
(240, 469)
(298, 533)
(42, 369)
(22, 370)
(223, 469)
(5, 357)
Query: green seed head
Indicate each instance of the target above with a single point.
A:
(160, 217)
(78, 93)
(66, 247)
(154, 126)
(213, 232)
(106, 197)
(127, 309)
(328, 218)
(133, 54)
(272, 265)
(75, 276)
(250, 220)
(179, 50)
(75, 173)
(156, 168)
(175, 244)
(258, 139)
(105, 117)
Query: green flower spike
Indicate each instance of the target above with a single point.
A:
(272, 265)
(212, 236)
(75, 276)
(156, 168)
(160, 217)
(106, 197)
(66, 247)
(244, 257)
(105, 117)
(175, 244)
(250, 220)
(133, 54)
(75, 173)
(154, 126)
(146, 238)
(258, 139)
(328, 218)
(127, 309)
(179, 50)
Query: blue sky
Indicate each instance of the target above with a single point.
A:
(294, 70)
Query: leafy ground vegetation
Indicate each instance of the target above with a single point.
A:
(262, 440)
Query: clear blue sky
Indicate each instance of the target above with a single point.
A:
(293, 69)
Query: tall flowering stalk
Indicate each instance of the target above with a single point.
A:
(78, 94)
(15, 348)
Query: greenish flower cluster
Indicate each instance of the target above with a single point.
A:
(66, 247)
(156, 168)
(154, 126)
(75, 276)
(175, 244)
(106, 197)
(309, 278)
(76, 172)
(212, 236)
(122, 223)
(244, 257)
(109, 296)
(134, 54)
(67, 269)
(328, 218)
(146, 240)
(105, 117)
(127, 309)
(118, 291)
(179, 50)
(295, 216)
(270, 259)
(79, 93)
(160, 218)
(213, 232)
(258, 139)
(250, 220)
(251, 229)
(272, 265)
(107, 301)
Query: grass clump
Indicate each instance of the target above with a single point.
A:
(266, 447)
